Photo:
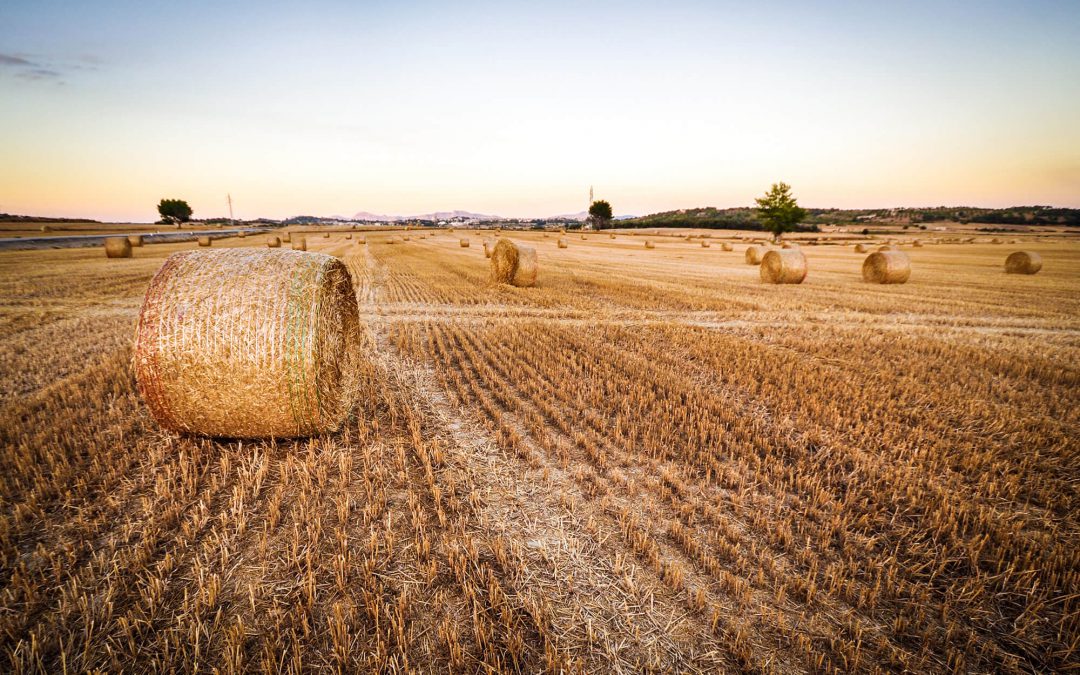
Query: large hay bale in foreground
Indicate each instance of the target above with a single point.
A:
(205, 241)
(725, 246)
(513, 264)
(117, 247)
(463, 243)
(136, 240)
(563, 243)
(1023, 262)
(247, 343)
(860, 248)
(299, 243)
(783, 267)
(886, 267)
(273, 242)
(754, 254)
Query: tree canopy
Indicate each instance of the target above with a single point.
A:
(174, 210)
(600, 214)
(778, 211)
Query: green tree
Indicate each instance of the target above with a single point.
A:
(600, 214)
(778, 211)
(174, 211)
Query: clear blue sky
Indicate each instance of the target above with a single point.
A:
(515, 108)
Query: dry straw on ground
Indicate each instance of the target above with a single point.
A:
(1023, 262)
(783, 267)
(563, 243)
(513, 264)
(117, 247)
(247, 343)
(886, 267)
(273, 242)
(463, 243)
(754, 254)
(205, 241)
(136, 240)
(299, 243)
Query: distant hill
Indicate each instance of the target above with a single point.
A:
(435, 216)
(11, 218)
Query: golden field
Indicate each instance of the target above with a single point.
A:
(650, 461)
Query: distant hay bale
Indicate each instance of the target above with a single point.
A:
(1023, 262)
(860, 248)
(995, 240)
(273, 242)
(463, 243)
(299, 243)
(246, 343)
(136, 240)
(361, 240)
(325, 235)
(584, 238)
(562, 243)
(916, 244)
(117, 247)
(705, 244)
(286, 238)
(888, 247)
(46, 228)
(754, 254)
(725, 246)
(487, 250)
(649, 244)
(611, 236)
(789, 245)
(886, 267)
(348, 236)
(242, 234)
(205, 241)
(783, 267)
(513, 264)
(405, 238)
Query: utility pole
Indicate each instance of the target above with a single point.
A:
(228, 198)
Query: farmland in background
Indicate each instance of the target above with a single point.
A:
(650, 461)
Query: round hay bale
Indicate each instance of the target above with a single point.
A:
(273, 242)
(705, 244)
(995, 240)
(584, 238)
(513, 264)
(299, 243)
(611, 236)
(117, 247)
(325, 235)
(348, 236)
(242, 234)
(783, 267)
(754, 254)
(916, 244)
(46, 228)
(789, 245)
(649, 244)
(246, 343)
(136, 240)
(361, 240)
(487, 250)
(888, 247)
(1023, 262)
(463, 243)
(286, 238)
(724, 246)
(562, 243)
(886, 267)
(405, 238)
(860, 248)
(205, 241)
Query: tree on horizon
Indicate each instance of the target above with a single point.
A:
(778, 210)
(600, 214)
(174, 211)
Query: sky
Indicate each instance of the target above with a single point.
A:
(516, 108)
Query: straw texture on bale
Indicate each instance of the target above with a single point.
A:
(860, 248)
(513, 264)
(117, 247)
(1023, 262)
(247, 343)
(136, 240)
(562, 243)
(299, 243)
(463, 243)
(886, 267)
(649, 244)
(273, 242)
(783, 267)
(205, 241)
(754, 254)
(725, 246)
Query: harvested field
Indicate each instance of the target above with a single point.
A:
(650, 460)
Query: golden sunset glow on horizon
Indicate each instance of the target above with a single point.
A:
(334, 108)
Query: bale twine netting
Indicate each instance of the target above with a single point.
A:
(754, 254)
(273, 242)
(117, 247)
(248, 343)
(786, 266)
(136, 240)
(299, 243)
(204, 241)
(1023, 262)
(886, 267)
(513, 264)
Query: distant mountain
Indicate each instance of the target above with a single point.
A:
(437, 215)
